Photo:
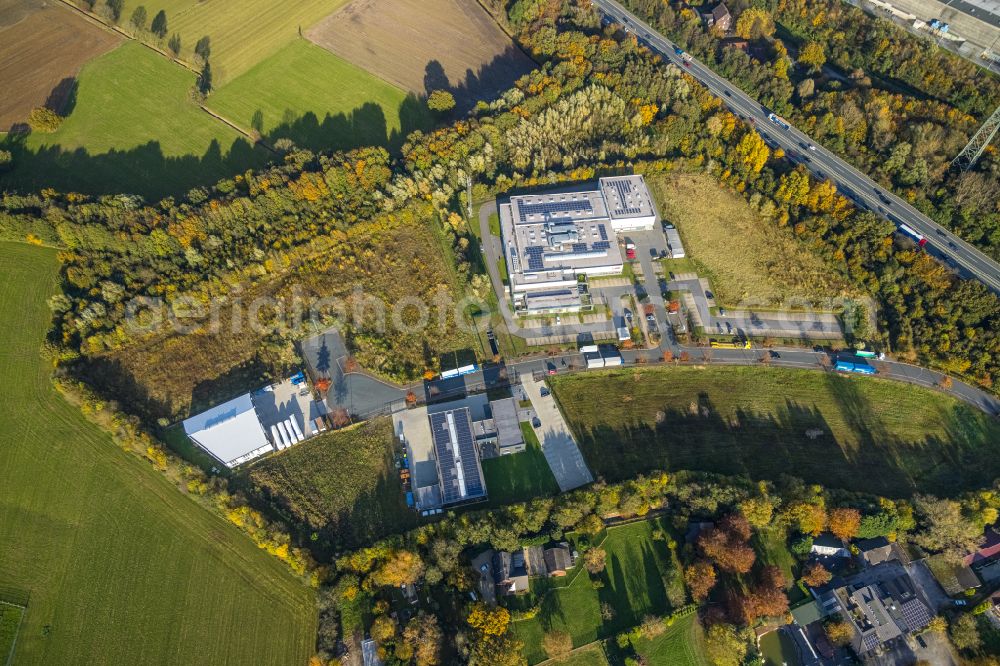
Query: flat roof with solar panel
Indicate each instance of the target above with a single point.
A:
(549, 239)
(460, 474)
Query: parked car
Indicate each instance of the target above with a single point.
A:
(536, 422)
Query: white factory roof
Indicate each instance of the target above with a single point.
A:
(231, 432)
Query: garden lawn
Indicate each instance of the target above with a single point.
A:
(341, 484)
(10, 622)
(682, 644)
(133, 129)
(114, 562)
(319, 101)
(747, 258)
(520, 476)
(632, 586)
(858, 433)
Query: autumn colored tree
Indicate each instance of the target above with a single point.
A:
(44, 119)
(812, 56)
(724, 646)
(808, 517)
(726, 545)
(700, 579)
(758, 511)
(839, 632)
(423, 635)
(403, 567)
(383, 628)
(489, 621)
(753, 152)
(441, 101)
(594, 560)
(340, 417)
(815, 575)
(754, 23)
(844, 523)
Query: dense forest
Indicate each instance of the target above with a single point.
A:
(892, 104)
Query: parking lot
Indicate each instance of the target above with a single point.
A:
(558, 445)
(286, 400)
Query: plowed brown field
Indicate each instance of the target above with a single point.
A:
(424, 45)
(42, 47)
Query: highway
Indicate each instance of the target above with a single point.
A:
(960, 255)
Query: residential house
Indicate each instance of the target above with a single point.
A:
(558, 559)
(827, 545)
(987, 553)
(510, 573)
(875, 551)
(882, 604)
(718, 17)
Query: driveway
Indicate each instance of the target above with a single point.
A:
(558, 445)
(360, 394)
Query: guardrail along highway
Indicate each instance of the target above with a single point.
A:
(941, 243)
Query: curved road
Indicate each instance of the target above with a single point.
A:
(967, 260)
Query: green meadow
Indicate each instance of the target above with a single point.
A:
(114, 564)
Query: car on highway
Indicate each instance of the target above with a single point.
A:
(651, 318)
(773, 354)
(687, 64)
(727, 93)
(812, 147)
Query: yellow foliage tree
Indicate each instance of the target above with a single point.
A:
(489, 621)
(753, 152)
(754, 23)
(813, 56)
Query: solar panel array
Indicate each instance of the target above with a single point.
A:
(915, 614)
(604, 232)
(535, 260)
(448, 465)
(579, 247)
(623, 188)
(601, 245)
(549, 207)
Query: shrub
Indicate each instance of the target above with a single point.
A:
(44, 119)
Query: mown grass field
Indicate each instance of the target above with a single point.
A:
(319, 101)
(745, 256)
(872, 434)
(682, 644)
(133, 129)
(241, 33)
(118, 566)
(520, 476)
(633, 586)
(341, 484)
(10, 622)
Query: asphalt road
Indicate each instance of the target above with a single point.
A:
(967, 260)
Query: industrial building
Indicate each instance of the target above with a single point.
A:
(551, 239)
(231, 432)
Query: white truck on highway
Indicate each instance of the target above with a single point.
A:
(779, 121)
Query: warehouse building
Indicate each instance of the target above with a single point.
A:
(551, 239)
(231, 432)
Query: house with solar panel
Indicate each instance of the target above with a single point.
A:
(551, 239)
(882, 604)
